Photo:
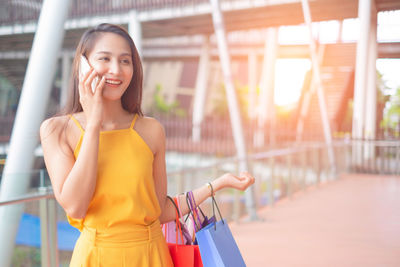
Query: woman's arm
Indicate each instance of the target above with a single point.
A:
(73, 181)
(227, 180)
(200, 194)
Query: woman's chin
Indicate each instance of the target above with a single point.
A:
(112, 95)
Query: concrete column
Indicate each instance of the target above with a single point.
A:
(320, 89)
(253, 70)
(266, 104)
(371, 88)
(135, 30)
(31, 109)
(360, 80)
(201, 89)
(65, 75)
(234, 113)
(340, 32)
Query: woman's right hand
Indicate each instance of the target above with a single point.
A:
(92, 103)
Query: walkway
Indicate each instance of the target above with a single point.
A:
(354, 221)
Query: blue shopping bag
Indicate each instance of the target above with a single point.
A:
(217, 246)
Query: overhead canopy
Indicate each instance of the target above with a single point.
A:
(164, 18)
(175, 18)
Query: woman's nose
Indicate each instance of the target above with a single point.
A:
(114, 67)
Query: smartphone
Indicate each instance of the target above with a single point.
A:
(84, 67)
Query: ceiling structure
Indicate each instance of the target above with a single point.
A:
(181, 19)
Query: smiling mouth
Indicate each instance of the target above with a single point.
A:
(113, 82)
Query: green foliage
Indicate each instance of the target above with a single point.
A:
(391, 118)
(391, 114)
(26, 257)
(221, 102)
(161, 106)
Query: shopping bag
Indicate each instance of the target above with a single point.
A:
(197, 258)
(196, 219)
(199, 220)
(183, 255)
(170, 230)
(217, 246)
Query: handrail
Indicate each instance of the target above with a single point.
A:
(256, 156)
(29, 197)
(262, 155)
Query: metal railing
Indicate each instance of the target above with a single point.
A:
(376, 156)
(47, 214)
(280, 174)
(48, 222)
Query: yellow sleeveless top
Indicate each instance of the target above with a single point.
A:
(125, 194)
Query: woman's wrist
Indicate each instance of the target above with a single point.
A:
(217, 185)
(92, 129)
(93, 126)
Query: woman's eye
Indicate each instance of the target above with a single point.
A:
(104, 59)
(125, 61)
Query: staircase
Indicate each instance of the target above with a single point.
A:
(337, 76)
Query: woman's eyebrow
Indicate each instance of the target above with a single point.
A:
(103, 52)
(109, 53)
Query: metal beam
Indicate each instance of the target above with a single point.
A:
(320, 89)
(201, 89)
(234, 112)
(266, 104)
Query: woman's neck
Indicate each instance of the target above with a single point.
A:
(114, 113)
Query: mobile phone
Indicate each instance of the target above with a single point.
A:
(84, 67)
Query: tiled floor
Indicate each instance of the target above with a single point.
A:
(354, 221)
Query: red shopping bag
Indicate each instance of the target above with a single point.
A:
(183, 255)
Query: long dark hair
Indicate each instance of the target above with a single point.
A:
(131, 100)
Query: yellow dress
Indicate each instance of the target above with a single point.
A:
(121, 226)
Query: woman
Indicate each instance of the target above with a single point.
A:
(106, 161)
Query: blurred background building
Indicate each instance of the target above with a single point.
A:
(173, 36)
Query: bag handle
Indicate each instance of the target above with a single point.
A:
(193, 210)
(178, 223)
(197, 208)
(176, 207)
(214, 203)
(165, 225)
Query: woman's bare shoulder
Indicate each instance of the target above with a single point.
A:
(152, 132)
(58, 123)
(151, 124)
(53, 125)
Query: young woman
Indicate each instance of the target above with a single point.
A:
(106, 160)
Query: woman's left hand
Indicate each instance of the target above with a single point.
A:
(241, 182)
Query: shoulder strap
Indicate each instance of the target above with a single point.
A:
(76, 122)
(134, 120)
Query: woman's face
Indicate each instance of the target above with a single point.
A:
(111, 57)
